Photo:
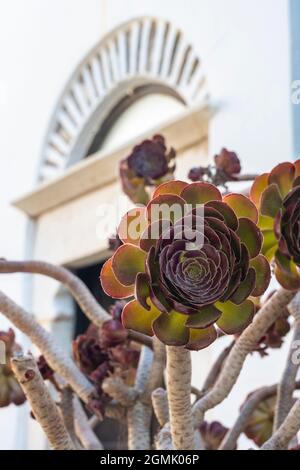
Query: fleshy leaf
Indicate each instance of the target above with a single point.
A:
(250, 235)
(270, 244)
(199, 193)
(167, 206)
(242, 206)
(226, 211)
(265, 222)
(263, 274)
(286, 272)
(283, 175)
(297, 168)
(235, 318)
(271, 201)
(170, 187)
(142, 289)
(245, 289)
(170, 329)
(204, 318)
(200, 339)
(111, 285)
(135, 317)
(259, 185)
(132, 225)
(127, 261)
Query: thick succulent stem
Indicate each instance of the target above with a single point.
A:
(179, 371)
(54, 355)
(67, 412)
(85, 299)
(216, 368)
(287, 430)
(160, 405)
(77, 288)
(117, 389)
(139, 415)
(230, 440)
(83, 428)
(269, 312)
(43, 407)
(286, 386)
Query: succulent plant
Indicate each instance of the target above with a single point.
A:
(44, 368)
(212, 434)
(10, 390)
(260, 424)
(277, 196)
(182, 285)
(228, 162)
(149, 164)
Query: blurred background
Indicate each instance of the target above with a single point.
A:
(90, 77)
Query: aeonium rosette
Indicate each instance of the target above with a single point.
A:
(198, 270)
(277, 196)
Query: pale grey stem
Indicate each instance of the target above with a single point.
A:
(230, 440)
(216, 369)
(85, 299)
(179, 371)
(54, 355)
(67, 412)
(248, 340)
(43, 407)
(77, 288)
(117, 389)
(287, 430)
(163, 439)
(160, 405)
(139, 415)
(286, 386)
(83, 429)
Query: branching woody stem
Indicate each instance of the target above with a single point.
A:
(179, 396)
(83, 428)
(243, 346)
(288, 429)
(216, 368)
(230, 440)
(54, 355)
(160, 405)
(85, 299)
(78, 289)
(115, 388)
(286, 386)
(139, 415)
(43, 407)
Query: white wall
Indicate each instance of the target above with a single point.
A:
(245, 48)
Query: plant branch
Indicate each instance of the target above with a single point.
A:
(230, 440)
(85, 299)
(179, 397)
(243, 346)
(77, 288)
(160, 405)
(287, 430)
(44, 409)
(139, 415)
(54, 355)
(216, 368)
(287, 384)
(84, 431)
(117, 389)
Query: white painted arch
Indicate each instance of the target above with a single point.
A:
(145, 55)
